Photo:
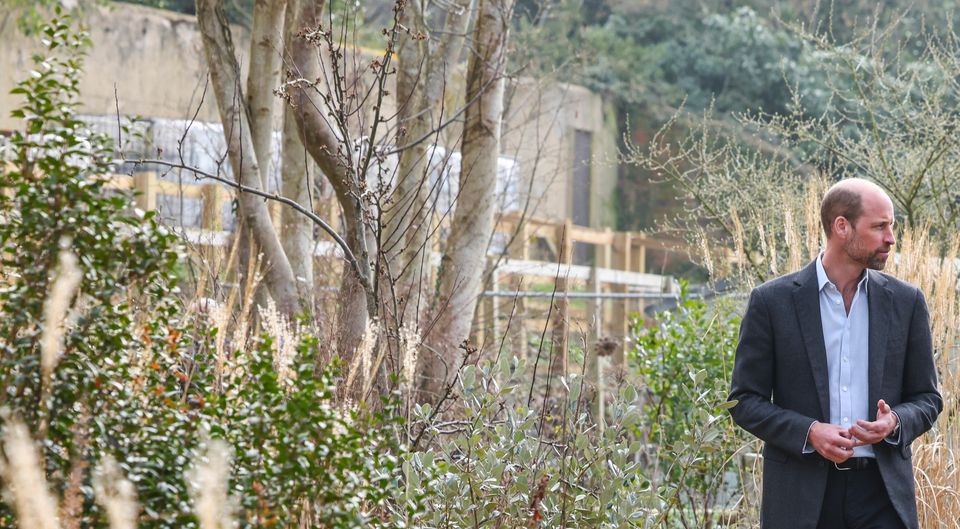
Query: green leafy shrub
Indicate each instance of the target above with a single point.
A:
(124, 263)
(296, 454)
(684, 362)
(132, 378)
(503, 465)
(294, 446)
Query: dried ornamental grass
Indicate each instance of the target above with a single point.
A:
(26, 487)
(208, 479)
(55, 308)
(937, 453)
(286, 337)
(116, 495)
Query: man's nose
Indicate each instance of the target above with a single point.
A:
(888, 237)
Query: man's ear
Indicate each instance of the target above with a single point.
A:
(841, 226)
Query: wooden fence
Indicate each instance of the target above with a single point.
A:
(601, 296)
(536, 273)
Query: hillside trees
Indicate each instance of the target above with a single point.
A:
(340, 104)
(891, 120)
(654, 58)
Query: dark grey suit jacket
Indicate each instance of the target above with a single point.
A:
(780, 383)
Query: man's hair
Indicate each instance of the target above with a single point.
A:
(839, 202)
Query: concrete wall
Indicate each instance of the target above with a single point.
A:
(540, 124)
(153, 58)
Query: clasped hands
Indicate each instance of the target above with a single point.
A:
(836, 443)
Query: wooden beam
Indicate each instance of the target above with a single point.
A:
(145, 184)
(561, 319)
(622, 260)
(590, 236)
(214, 197)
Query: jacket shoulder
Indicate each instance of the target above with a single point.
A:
(779, 285)
(895, 285)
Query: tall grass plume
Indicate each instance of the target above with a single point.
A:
(116, 494)
(208, 479)
(25, 484)
(62, 290)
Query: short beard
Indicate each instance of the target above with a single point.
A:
(855, 250)
(876, 262)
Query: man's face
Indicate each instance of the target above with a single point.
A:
(871, 238)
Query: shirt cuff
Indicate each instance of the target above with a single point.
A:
(807, 449)
(894, 438)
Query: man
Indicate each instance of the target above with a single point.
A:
(834, 371)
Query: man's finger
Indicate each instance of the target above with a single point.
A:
(872, 427)
(840, 455)
(859, 430)
(845, 441)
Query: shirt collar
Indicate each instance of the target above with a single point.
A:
(823, 280)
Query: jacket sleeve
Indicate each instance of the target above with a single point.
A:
(753, 380)
(920, 402)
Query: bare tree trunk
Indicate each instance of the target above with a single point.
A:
(296, 230)
(225, 79)
(263, 76)
(424, 71)
(462, 266)
(412, 59)
(326, 146)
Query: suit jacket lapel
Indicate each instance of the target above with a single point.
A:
(880, 306)
(806, 298)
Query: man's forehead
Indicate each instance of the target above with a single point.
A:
(876, 201)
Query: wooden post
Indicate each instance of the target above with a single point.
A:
(639, 255)
(605, 260)
(599, 364)
(214, 196)
(640, 258)
(561, 323)
(622, 260)
(519, 249)
(520, 246)
(593, 389)
(492, 314)
(145, 184)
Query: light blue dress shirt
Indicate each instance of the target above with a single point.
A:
(846, 337)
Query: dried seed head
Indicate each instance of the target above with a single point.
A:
(26, 486)
(116, 494)
(62, 289)
(208, 480)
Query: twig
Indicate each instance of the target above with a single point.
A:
(447, 391)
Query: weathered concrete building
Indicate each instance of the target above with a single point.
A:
(558, 143)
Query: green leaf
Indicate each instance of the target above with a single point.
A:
(726, 405)
(468, 376)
